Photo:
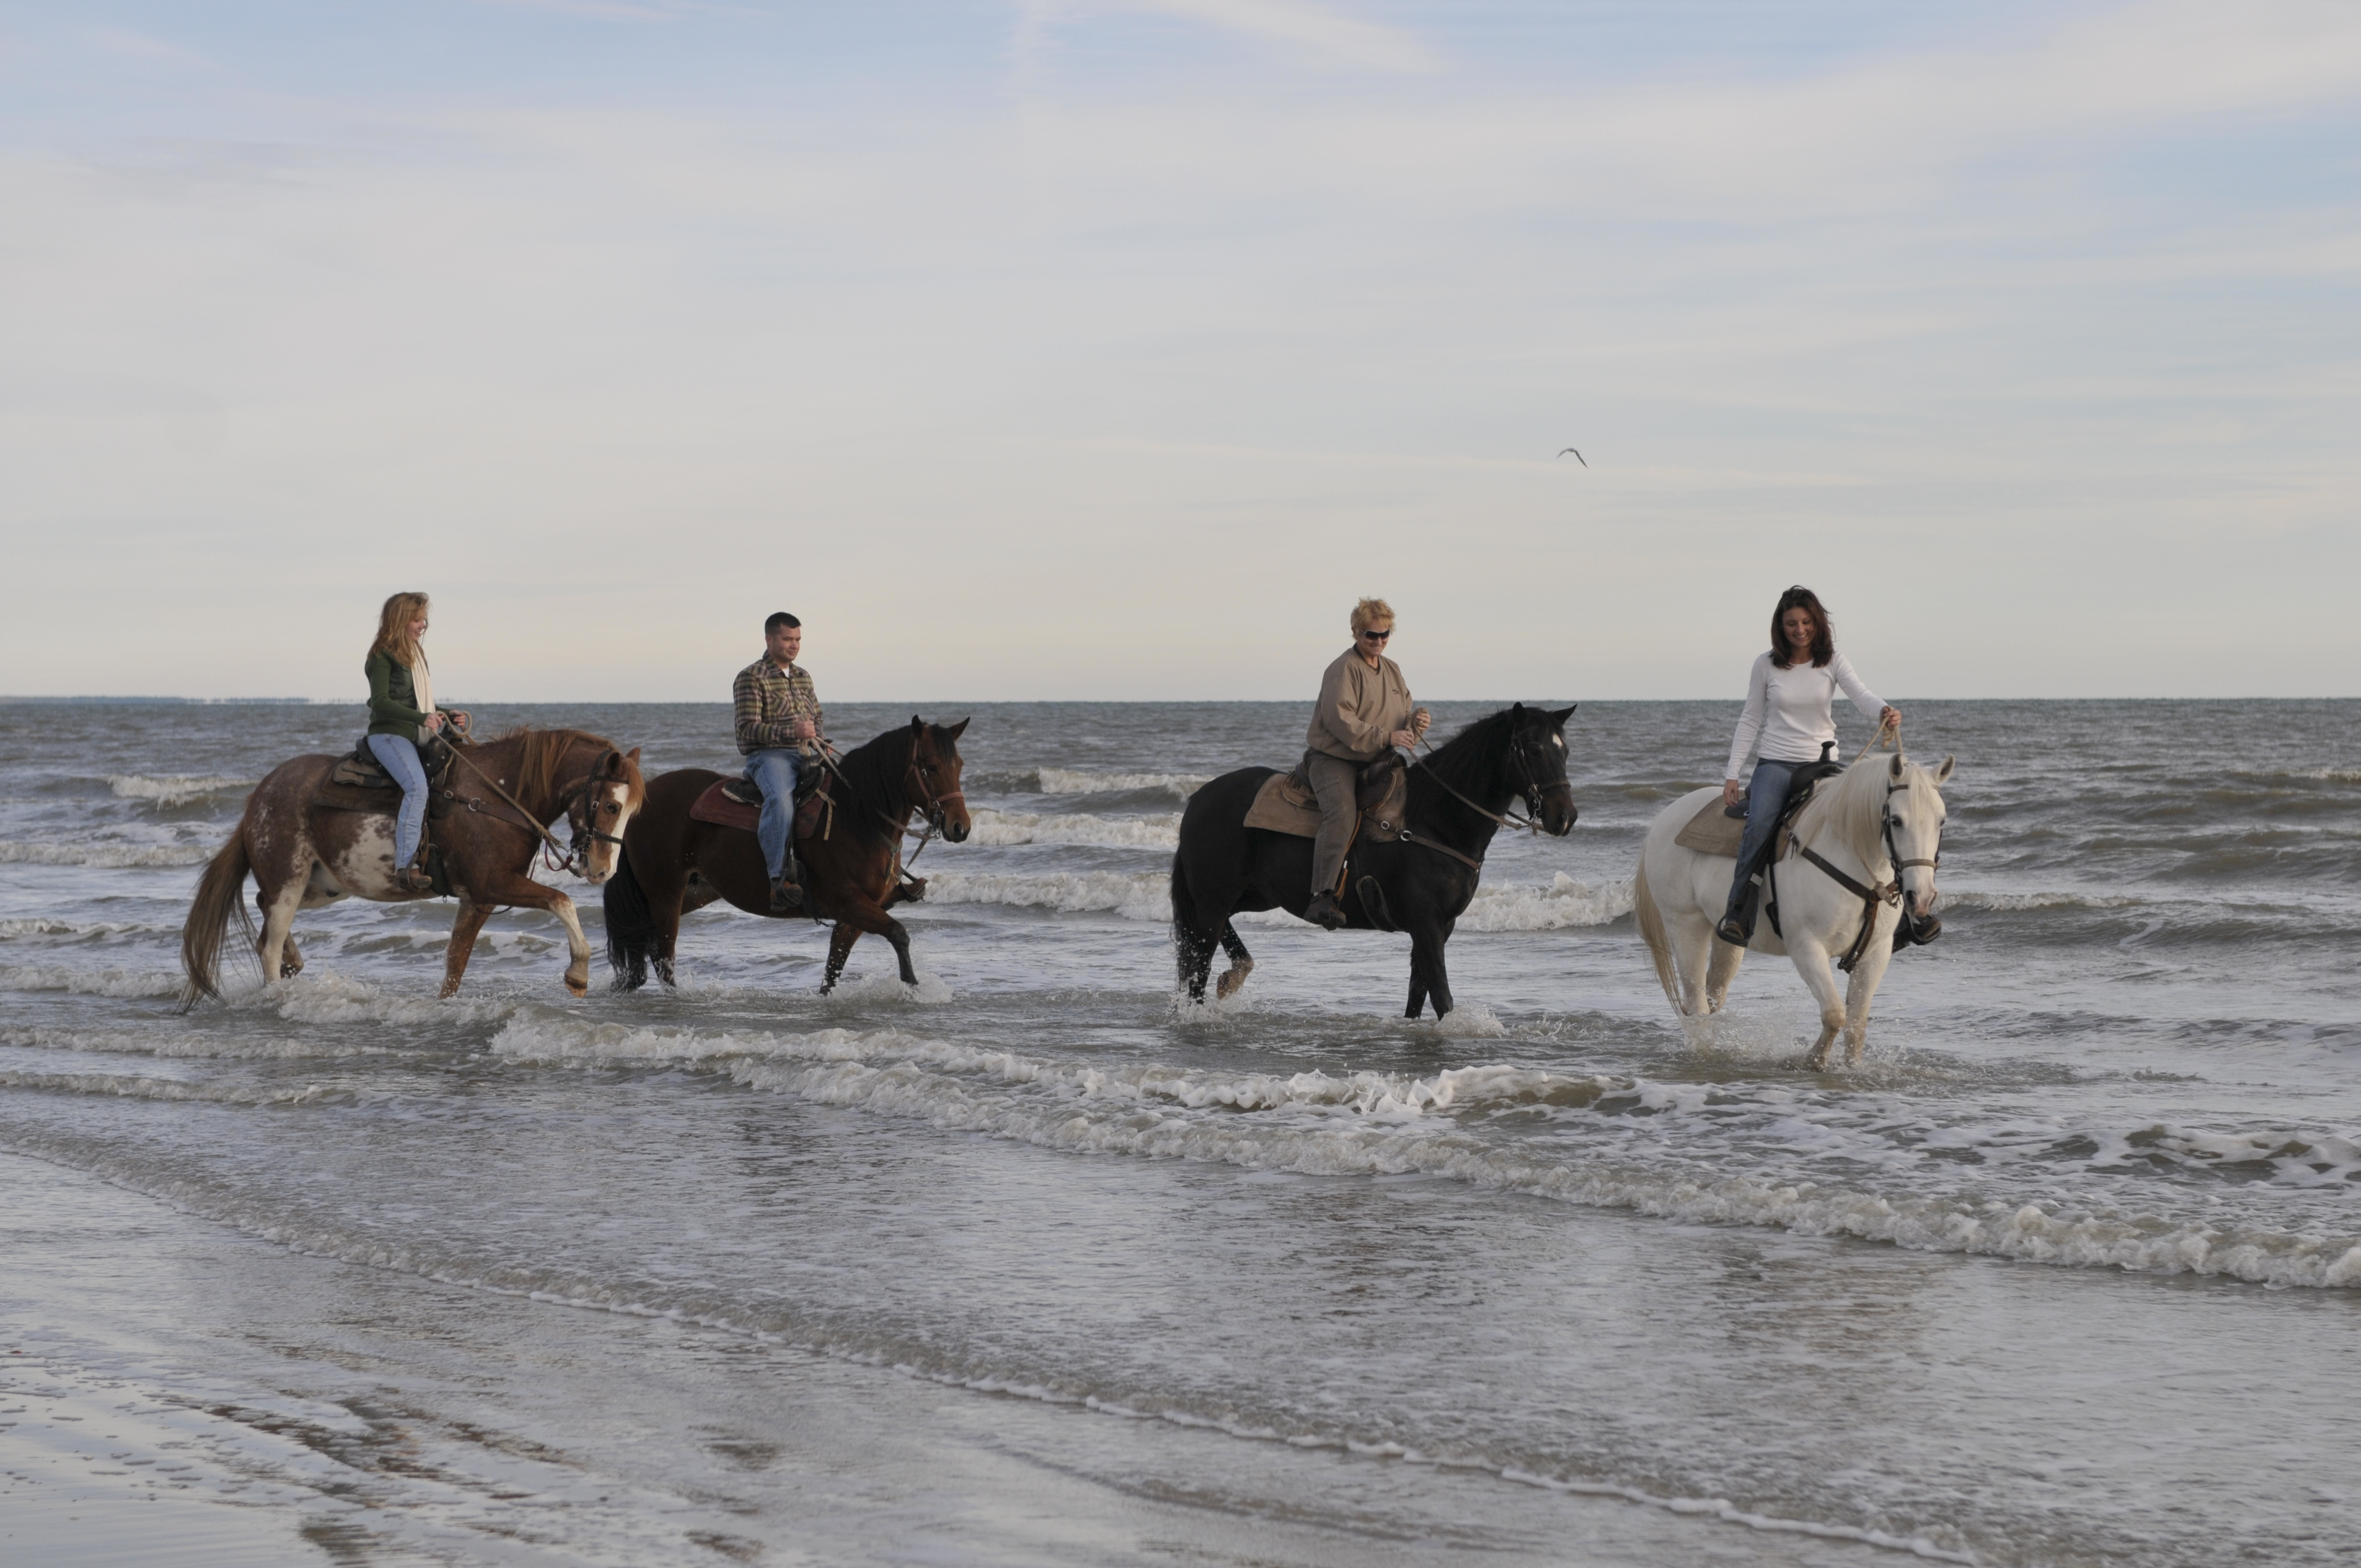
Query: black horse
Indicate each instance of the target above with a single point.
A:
(1419, 885)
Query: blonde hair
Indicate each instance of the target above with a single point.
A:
(1369, 612)
(393, 630)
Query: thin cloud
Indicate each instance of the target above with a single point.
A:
(1316, 30)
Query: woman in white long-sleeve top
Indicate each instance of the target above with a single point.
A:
(1790, 698)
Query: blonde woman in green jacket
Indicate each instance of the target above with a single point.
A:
(403, 714)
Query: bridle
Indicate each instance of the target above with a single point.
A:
(1527, 789)
(579, 814)
(1882, 892)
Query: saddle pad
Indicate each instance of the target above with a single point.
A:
(1711, 833)
(721, 807)
(1283, 806)
(353, 772)
(717, 806)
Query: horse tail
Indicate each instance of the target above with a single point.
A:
(1651, 931)
(631, 924)
(221, 892)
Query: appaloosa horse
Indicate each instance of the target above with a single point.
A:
(1421, 884)
(304, 853)
(674, 862)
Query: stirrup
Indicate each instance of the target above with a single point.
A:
(1323, 911)
(1730, 931)
(787, 897)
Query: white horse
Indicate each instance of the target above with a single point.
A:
(1864, 845)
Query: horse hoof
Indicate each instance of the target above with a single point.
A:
(1231, 979)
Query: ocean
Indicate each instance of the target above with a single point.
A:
(1036, 1264)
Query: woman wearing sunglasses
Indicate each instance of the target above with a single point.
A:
(1364, 707)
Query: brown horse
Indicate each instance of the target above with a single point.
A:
(303, 854)
(673, 863)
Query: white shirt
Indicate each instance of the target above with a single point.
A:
(1788, 710)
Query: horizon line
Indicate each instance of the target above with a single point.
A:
(164, 700)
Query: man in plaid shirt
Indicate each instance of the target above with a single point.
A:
(778, 732)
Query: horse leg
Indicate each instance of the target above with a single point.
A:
(1866, 975)
(291, 962)
(839, 948)
(871, 917)
(1428, 977)
(1721, 964)
(667, 918)
(279, 904)
(1241, 965)
(1812, 964)
(465, 926)
(1195, 951)
(515, 889)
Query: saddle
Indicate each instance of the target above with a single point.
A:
(360, 783)
(1715, 831)
(360, 769)
(1287, 804)
(737, 802)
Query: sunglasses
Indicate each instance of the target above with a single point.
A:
(1378, 636)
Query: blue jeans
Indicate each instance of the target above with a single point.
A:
(773, 770)
(1766, 792)
(400, 756)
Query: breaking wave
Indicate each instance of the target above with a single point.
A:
(88, 982)
(176, 789)
(1379, 1124)
(995, 829)
(1147, 897)
(105, 856)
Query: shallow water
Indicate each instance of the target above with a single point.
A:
(1036, 1266)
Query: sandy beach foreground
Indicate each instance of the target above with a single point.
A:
(175, 1393)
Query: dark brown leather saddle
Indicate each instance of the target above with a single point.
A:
(737, 802)
(360, 769)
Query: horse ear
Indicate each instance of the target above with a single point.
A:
(956, 731)
(1897, 764)
(918, 725)
(1562, 714)
(1944, 771)
(632, 756)
(1517, 713)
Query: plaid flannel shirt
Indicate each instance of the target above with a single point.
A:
(767, 699)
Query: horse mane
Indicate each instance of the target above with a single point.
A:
(875, 768)
(539, 754)
(1459, 757)
(1854, 808)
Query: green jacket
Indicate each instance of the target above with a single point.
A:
(393, 701)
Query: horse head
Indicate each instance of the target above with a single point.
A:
(601, 809)
(1537, 766)
(936, 768)
(1913, 829)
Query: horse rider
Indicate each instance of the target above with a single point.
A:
(1787, 720)
(778, 720)
(1364, 709)
(403, 714)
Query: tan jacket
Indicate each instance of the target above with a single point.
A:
(1359, 707)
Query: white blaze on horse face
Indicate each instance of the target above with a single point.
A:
(608, 811)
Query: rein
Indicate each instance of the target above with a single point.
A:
(1882, 892)
(930, 802)
(1509, 819)
(584, 834)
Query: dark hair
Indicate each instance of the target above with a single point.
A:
(1824, 637)
(781, 618)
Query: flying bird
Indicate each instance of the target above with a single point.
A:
(1578, 456)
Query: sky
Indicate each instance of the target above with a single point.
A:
(1111, 349)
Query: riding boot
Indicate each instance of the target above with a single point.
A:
(1324, 912)
(1737, 925)
(787, 888)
